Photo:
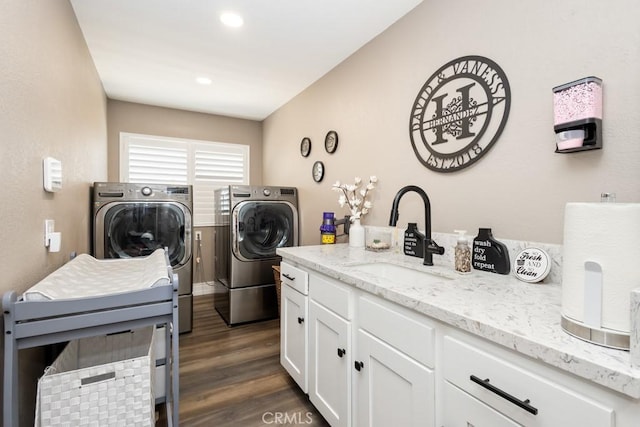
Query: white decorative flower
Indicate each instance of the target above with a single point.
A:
(356, 197)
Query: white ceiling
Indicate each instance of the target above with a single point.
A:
(151, 51)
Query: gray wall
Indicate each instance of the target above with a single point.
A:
(151, 120)
(520, 187)
(52, 104)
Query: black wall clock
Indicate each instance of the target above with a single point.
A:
(331, 141)
(305, 146)
(318, 171)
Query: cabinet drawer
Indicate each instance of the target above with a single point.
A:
(461, 409)
(332, 294)
(555, 405)
(398, 327)
(295, 277)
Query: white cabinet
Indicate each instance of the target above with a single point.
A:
(329, 369)
(395, 353)
(294, 306)
(371, 362)
(462, 409)
(488, 377)
(294, 277)
(392, 389)
(293, 335)
(330, 349)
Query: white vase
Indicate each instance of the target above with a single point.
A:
(356, 234)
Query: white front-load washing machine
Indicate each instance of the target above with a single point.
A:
(251, 222)
(132, 220)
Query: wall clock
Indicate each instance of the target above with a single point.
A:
(305, 146)
(331, 141)
(318, 171)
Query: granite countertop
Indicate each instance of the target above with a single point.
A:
(521, 316)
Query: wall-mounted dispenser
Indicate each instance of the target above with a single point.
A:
(577, 108)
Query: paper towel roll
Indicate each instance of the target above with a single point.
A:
(608, 234)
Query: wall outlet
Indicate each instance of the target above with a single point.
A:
(198, 236)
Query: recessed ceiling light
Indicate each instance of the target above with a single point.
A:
(203, 80)
(231, 19)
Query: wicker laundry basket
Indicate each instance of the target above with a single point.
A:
(104, 380)
(276, 277)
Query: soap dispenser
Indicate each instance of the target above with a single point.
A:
(462, 253)
(489, 254)
(413, 241)
(577, 118)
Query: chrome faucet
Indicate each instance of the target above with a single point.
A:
(429, 246)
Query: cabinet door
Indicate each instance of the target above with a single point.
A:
(392, 389)
(329, 364)
(293, 335)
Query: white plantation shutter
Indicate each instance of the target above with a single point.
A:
(214, 166)
(152, 160)
(204, 165)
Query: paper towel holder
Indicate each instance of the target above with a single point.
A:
(591, 328)
(601, 337)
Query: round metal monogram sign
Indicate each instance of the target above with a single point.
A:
(459, 113)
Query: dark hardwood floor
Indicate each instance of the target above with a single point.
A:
(233, 377)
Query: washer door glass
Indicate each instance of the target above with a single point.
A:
(138, 229)
(262, 227)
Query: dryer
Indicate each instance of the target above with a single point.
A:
(132, 220)
(251, 222)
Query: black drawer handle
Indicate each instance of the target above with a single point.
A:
(286, 276)
(358, 365)
(341, 352)
(524, 404)
(300, 320)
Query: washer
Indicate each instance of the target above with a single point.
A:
(131, 220)
(251, 222)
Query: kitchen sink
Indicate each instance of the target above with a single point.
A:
(399, 273)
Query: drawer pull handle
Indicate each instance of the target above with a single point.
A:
(286, 276)
(358, 365)
(524, 404)
(341, 352)
(300, 320)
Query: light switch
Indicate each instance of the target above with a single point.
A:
(52, 239)
(49, 227)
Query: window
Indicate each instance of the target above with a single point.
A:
(205, 165)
